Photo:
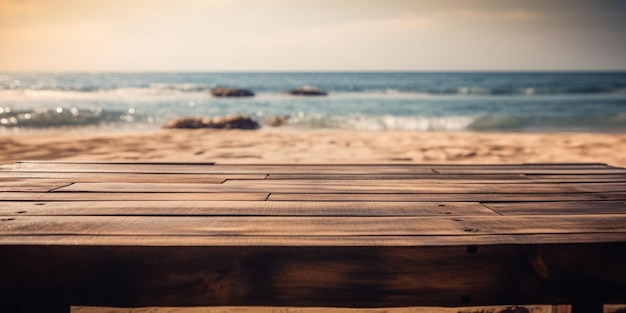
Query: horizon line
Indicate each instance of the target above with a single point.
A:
(322, 71)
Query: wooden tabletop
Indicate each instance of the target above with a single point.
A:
(135, 234)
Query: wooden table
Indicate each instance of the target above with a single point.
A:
(189, 234)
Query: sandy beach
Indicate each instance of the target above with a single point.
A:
(276, 145)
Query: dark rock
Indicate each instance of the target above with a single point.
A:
(226, 122)
(277, 121)
(186, 122)
(231, 92)
(307, 91)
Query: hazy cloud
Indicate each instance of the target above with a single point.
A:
(217, 35)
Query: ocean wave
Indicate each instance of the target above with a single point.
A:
(380, 123)
(543, 123)
(182, 89)
(68, 117)
(182, 94)
(98, 117)
(470, 83)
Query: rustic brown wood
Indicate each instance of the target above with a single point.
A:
(310, 226)
(32, 186)
(429, 176)
(579, 178)
(562, 308)
(452, 197)
(125, 196)
(363, 277)
(592, 171)
(461, 178)
(210, 168)
(125, 177)
(355, 187)
(312, 241)
(248, 208)
(315, 168)
(308, 276)
(560, 266)
(342, 235)
(554, 208)
(313, 165)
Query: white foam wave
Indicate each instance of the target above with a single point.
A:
(386, 122)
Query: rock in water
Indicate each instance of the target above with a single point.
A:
(231, 92)
(226, 122)
(277, 121)
(187, 122)
(235, 122)
(307, 91)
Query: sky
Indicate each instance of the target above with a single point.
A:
(312, 35)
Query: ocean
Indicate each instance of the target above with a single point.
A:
(415, 101)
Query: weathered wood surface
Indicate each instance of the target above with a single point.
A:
(244, 208)
(348, 235)
(311, 226)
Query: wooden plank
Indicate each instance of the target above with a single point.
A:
(579, 178)
(459, 197)
(461, 178)
(362, 277)
(365, 176)
(158, 163)
(553, 264)
(308, 276)
(225, 169)
(355, 187)
(367, 181)
(94, 196)
(21, 182)
(126, 177)
(244, 208)
(312, 168)
(31, 186)
(320, 165)
(505, 183)
(568, 163)
(310, 226)
(489, 170)
(311, 241)
(565, 207)
(442, 165)
(556, 231)
(611, 196)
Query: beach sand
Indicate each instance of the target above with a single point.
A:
(313, 146)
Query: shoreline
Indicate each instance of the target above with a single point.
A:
(287, 145)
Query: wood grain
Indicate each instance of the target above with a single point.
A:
(94, 196)
(311, 241)
(457, 197)
(548, 171)
(126, 177)
(310, 226)
(245, 208)
(356, 187)
(308, 276)
(555, 208)
(341, 235)
(32, 186)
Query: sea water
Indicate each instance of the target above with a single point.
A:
(470, 101)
